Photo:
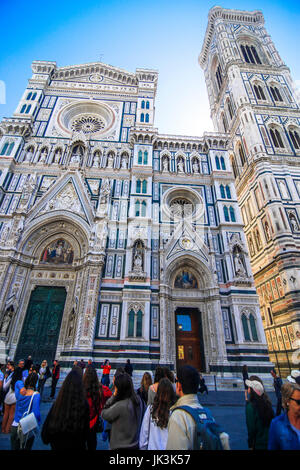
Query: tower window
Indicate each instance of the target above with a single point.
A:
(242, 155)
(222, 191)
(140, 157)
(250, 54)
(142, 117)
(222, 163)
(218, 163)
(143, 104)
(295, 139)
(147, 118)
(276, 93)
(226, 214)
(147, 105)
(276, 138)
(259, 92)
(219, 76)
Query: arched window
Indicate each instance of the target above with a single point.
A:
(11, 146)
(139, 324)
(33, 96)
(144, 187)
(137, 208)
(259, 92)
(253, 327)
(131, 323)
(245, 328)
(222, 163)
(147, 105)
(234, 167)
(229, 107)
(146, 158)
(218, 163)
(23, 108)
(142, 117)
(4, 148)
(228, 193)
(250, 54)
(138, 186)
(232, 214)
(143, 104)
(222, 191)
(28, 109)
(226, 214)
(242, 154)
(276, 93)
(144, 207)
(147, 118)
(224, 121)
(219, 76)
(276, 138)
(29, 96)
(294, 135)
(140, 157)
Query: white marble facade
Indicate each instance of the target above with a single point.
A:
(94, 200)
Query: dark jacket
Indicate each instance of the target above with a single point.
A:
(281, 435)
(56, 371)
(128, 369)
(258, 434)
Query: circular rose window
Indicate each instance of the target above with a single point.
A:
(88, 117)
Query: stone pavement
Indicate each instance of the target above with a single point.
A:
(228, 408)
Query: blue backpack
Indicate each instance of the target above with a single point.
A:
(208, 431)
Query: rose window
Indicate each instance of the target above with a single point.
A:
(181, 207)
(88, 124)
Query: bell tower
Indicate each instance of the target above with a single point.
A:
(253, 98)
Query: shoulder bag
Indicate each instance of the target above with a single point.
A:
(27, 424)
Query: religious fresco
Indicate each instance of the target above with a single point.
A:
(185, 280)
(58, 252)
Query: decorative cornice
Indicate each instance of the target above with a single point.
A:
(16, 126)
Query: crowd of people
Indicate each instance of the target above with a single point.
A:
(162, 414)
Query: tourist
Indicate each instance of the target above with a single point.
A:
(55, 378)
(168, 374)
(128, 368)
(293, 376)
(90, 363)
(202, 385)
(123, 411)
(67, 424)
(24, 394)
(245, 377)
(82, 364)
(44, 374)
(28, 363)
(106, 370)
(154, 430)
(259, 414)
(142, 391)
(10, 399)
(277, 383)
(96, 395)
(159, 374)
(284, 431)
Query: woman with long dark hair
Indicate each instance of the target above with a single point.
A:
(259, 414)
(67, 423)
(159, 374)
(154, 430)
(124, 411)
(96, 395)
(142, 391)
(10, 400)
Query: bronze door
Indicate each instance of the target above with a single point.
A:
(188, 338)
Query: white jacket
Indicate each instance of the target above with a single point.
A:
(152, 437)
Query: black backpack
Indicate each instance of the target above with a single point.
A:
(208, 431)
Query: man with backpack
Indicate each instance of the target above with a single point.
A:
(191, 427)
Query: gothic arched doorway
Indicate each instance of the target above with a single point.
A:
(189, 338)
(42, 323)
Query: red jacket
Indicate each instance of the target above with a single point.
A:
(106, 393)
(106, 369)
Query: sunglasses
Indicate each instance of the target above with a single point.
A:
(297, 401)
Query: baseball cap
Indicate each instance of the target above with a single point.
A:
(256, 386)
(294, 375)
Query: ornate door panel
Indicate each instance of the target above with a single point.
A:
(188, 338)
(42, 324)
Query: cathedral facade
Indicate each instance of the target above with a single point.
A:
(118, 242)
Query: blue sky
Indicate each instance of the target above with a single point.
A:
(163, 35)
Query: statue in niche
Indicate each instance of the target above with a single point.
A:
(124, 162)
(96, 160)
(7, 317)
(293, 222)
(195, 166)
(137, 262)
(104, 195)
(28, 189)
(29, 155)
(180, 166)
(43, 156)
(257, 239)
(57, 156)
(110, 161)
(165, 163)
(77, 154)
(283, 190)
(238, 260)
(267, 230)
(71, 323)
(251, 247)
